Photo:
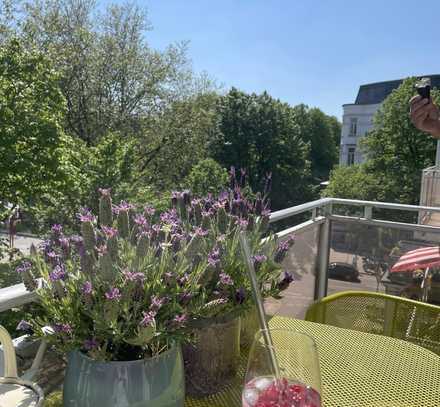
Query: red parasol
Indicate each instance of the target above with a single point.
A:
(425, 257)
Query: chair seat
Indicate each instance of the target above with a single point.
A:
(16, 395)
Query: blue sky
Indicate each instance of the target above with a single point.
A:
(316, 52)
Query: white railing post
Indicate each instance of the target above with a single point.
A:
(323, 255)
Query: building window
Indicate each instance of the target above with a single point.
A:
(353, 126)
(350, 155)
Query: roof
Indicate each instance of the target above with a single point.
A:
(374, 93)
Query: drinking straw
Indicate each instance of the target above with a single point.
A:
(258, 300)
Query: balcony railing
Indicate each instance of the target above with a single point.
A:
(333, 233)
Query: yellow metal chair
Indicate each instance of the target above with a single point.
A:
(18, 391)
(381, 314)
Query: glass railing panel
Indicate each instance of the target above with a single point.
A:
(361, 257)
(301, 262)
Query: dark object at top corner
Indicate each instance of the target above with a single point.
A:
(423, 87)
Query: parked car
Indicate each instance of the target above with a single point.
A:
(343, 271)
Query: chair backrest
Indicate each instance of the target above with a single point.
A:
(381, 314)
(10, 361)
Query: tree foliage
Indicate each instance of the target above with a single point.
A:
(266, 136)
(322, 132)
(207, 176)
(36, 156)
(111, 77)
(396, 155)
(139, 120)
(352, 182)
(397, 152)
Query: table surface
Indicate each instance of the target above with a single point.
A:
(357, 369)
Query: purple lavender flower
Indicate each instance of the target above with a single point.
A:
(23, 267)
(58, 273)
(185, 298)
(227, 206)
(109, 232)
(105, 191)
(65, 245)
(170, 217)
(102, 249)
(176, 240)
(113, 294)
(186, 195)
(240, 296)
(141, 221)
(155, 231)
(133, 276)
(214, 257)
(76, 240)
(218, 205)
(283, 248)
(226, 279)
(242, 223)
(122, 207)
(86, 215)
(221, 238)
(53, 258)
(285, 281)
(175, 195)
(149, 211)
(156, 303)
(62, 328)
(24, 326)
(169, 278)
(198, 231)
(87, 288)
(259, 259)
(125, 206)
(181, 281)
(180, 320)
(147, 319)
(235, 207)
(45, 246)
(90, 344)
(56, 230)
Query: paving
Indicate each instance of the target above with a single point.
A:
(23, 243)
(301, 262)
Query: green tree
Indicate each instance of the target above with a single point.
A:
(322, 132)
(207, 176)
(36, 156)
(396, 151)
(261, 135)
(175, 141)
(112, 79)
(352, 182)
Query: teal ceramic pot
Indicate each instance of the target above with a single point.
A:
(154, 382)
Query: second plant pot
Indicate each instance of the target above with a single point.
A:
(212, 360)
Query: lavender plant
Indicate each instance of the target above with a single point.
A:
(211, 226)
(122, 290)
